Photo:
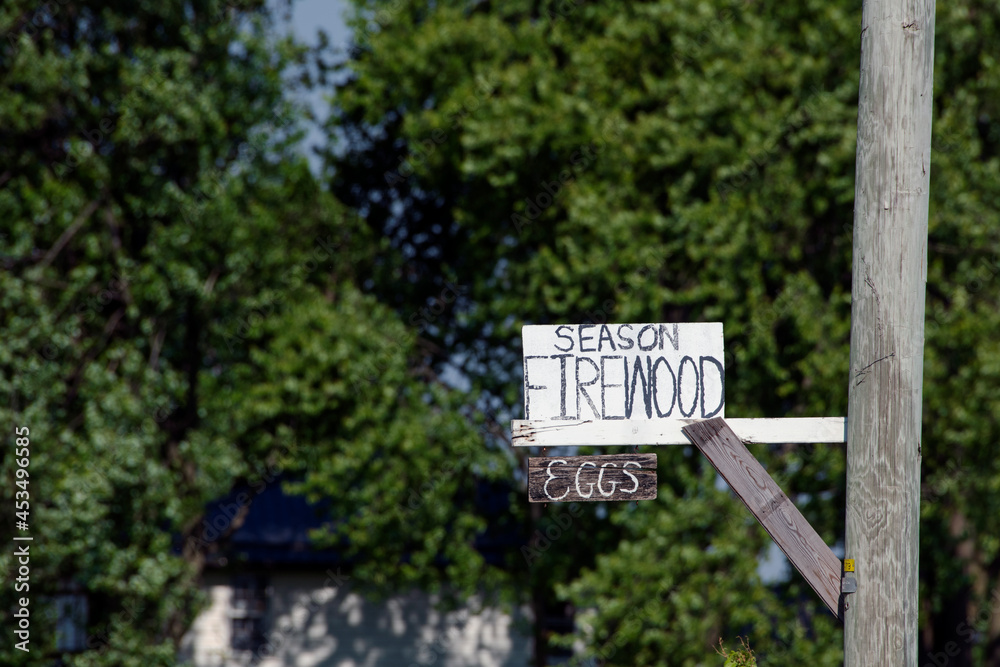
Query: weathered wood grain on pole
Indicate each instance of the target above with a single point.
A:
(768, 503)
(887, 330)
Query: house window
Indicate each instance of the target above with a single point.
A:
(247, 610)
(560, 620)
(71, 621)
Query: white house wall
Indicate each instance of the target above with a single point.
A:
(309, 625)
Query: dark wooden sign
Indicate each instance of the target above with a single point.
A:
(553, 479)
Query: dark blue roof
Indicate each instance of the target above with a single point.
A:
(276, 526)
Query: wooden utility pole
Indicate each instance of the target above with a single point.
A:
(887, 330)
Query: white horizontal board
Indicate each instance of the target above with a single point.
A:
(622, 372)
(793, 430)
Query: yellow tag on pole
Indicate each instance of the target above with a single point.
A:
(849, 565)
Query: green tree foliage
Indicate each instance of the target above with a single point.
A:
(670, 161)
(135, 202)
(180, 310)
(394, 458)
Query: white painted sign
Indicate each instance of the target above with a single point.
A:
(623, 371)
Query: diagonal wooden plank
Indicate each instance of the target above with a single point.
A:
(558, 433)
(764, 498)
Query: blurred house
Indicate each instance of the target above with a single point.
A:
(277, 601)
